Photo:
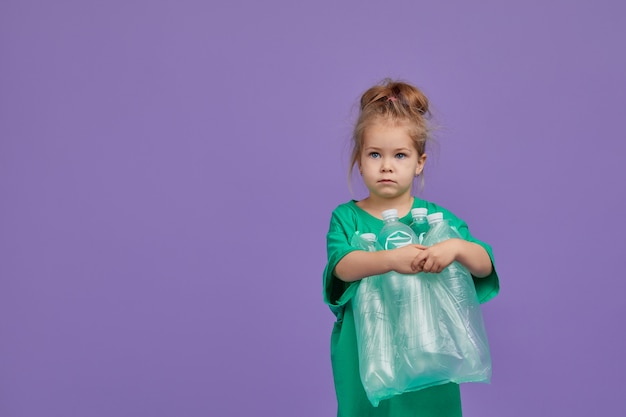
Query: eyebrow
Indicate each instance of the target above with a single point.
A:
(375, 148)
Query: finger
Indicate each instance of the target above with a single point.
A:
(421, 256)
(415, 264)
(428, 265)
(419, 267)
(421, 247)
(419, 259)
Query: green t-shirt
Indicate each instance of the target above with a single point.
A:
(439, 401)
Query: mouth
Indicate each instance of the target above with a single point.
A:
(385, 181)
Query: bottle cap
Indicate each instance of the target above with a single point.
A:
(390, 214)
(419, 212)
(370, 237)
(434, 218)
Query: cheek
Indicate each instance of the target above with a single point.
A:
(367, 169)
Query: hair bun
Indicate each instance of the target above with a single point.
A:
(408, 95)
(398, 93)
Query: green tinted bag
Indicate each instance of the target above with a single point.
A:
(416, 331)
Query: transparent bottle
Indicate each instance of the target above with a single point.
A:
(439, 229)
(413, 310)
(463, 317)
(394, 233)
(374, 330)
(400, 291)
(368, 242)
(420, 222)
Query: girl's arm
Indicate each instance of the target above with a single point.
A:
(475, 258)
(471, 255)
(360, 264)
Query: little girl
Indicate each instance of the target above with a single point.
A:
(390, 138)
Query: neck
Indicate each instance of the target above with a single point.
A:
(375, 205)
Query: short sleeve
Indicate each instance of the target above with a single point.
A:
(340, 231)
(486, 287)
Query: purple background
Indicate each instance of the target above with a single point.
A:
(168, 169)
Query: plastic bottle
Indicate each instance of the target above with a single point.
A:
(420, 222)
(455, 277)
(455, 288)
(374, 330)
(439, 229)
(413, 310)
(369, 242)
(401, 293)
(394, 233)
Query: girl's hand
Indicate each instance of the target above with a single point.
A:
(401, 259)
(435, 258)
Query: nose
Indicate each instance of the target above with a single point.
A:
(386, 165)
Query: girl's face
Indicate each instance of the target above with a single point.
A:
(389, 160)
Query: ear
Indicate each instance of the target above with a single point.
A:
(421, 161)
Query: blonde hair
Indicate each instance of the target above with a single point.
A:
(396, 102)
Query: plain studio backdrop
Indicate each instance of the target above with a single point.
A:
(168, 170)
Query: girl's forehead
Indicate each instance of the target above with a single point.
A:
(389, 122)
(386, 134)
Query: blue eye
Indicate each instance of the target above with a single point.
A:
(400, 155)
(374, 155)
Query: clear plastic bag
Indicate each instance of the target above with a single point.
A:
(416, 331)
